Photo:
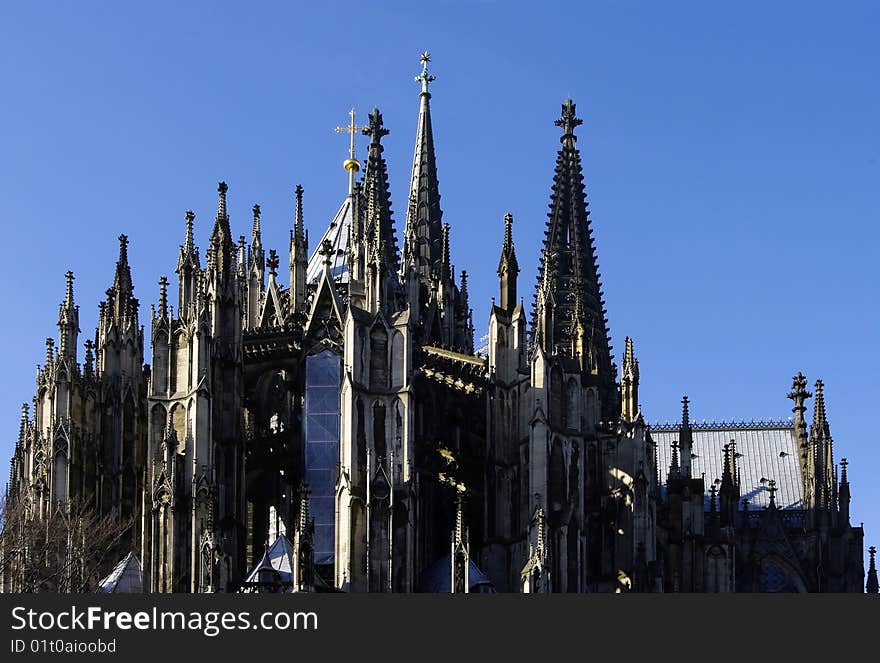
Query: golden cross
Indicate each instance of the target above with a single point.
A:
(352, 129)
(351, 164)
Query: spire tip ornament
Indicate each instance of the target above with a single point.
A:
(351, 165)
(425, 78)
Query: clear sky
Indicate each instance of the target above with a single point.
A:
(731, 155)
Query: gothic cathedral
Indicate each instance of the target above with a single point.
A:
(342, 433)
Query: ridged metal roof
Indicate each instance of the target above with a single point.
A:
(339, 234)
(764, 451)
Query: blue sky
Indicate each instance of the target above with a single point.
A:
(731, 155)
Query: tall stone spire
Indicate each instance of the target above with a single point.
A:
(508, 267)
(568, 277)
(424, 226)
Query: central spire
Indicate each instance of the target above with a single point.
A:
(423, 236)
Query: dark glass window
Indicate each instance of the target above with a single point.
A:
(322, 448)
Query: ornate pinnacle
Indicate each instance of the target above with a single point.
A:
(298, 215)
(799, 393)
(674, 467)
(872, 586)
(272, 262)
(163, 296)
(255, 234)
(568, 121)
(123, 249)
(89, 357)
(772, 490)
(446, 273)
(424, 78)
(189, 243)
(326, 250)
(221, 202)
(843, 463)
(375, 129)
(685, 413)
(508, 232)
(303, 507)
(68, 292)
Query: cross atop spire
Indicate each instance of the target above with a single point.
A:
(568, 120)
(772, 490)
(425, 78)
(351, 165)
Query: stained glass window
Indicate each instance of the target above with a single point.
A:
(322, 448)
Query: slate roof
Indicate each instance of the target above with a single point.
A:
(339, 234)
(279, 557)
(125, 578)
(764, 451)
(437, 578)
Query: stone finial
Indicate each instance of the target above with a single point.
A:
(221, 202)
(568, 120)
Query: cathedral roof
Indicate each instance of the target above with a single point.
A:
(279, 558)
(338, 233)
(437, 578)
(125, 578)
(765, 451)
